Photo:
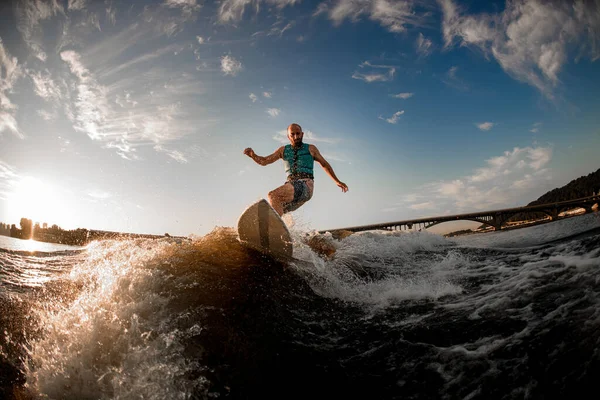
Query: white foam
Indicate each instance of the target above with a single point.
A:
(349, 275)
(114, 339)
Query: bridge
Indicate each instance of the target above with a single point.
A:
(495, 218)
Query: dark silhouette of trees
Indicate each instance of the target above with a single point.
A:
(583, 186)
(26, 228)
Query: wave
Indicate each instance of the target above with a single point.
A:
(210, 318)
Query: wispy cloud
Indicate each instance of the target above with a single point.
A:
(452, 79)
(424, 45)
(536, 127)
(268, 95)
(373, 73)
(393, 15)
(8, 179)
(47, 116)
(232, 11)
(134, 111)
(76, 4)
(9, 123)
(174, 154)
(273, 112)
(309, 136)
(187, 6)
(529, 39)
(394, 118)
(278, 30)
(111, 14)
(503, 182)
(428, 205)
(10, 72)
(44, 86)
(29, 16)
(485, 126)
(230, 66)
(253, 97)
(404, 96)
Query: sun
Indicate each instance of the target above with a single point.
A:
(37, 201)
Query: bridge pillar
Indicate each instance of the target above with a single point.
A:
(554, 214)
(497, 221)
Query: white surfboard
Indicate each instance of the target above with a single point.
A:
(261, 228)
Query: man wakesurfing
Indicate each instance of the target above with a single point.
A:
(298, 159)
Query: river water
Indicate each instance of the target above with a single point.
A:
(391, 315)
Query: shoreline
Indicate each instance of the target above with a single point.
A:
(82, 237)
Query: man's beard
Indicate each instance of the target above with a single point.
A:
(297, 143)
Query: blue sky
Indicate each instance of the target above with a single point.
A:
(133, 116)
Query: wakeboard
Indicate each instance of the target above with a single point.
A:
(262, 229)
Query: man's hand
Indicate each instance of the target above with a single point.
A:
(343, 186)
(249, 152)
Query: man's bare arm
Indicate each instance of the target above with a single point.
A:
(327, 167)
(264, 160)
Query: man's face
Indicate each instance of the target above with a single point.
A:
(295, 135)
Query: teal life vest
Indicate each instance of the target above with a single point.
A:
(298, 162)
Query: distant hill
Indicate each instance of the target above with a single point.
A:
(581, 187)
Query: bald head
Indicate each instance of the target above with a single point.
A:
(294, 125)
(295, 134)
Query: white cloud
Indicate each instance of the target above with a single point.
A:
(91, 105)
(394, 15)
(485, 126)
(76, 4)
(372, 74)
(143, 109)
(424, 45)
(10, 72)
(309, 136)
(174, 154)
(530, 39)
(429, 205)
(273, 112)
(187, 6)
(47, 116)
(9, 123)
(403, 95)
(29, 14)
(230, 66)
(536, 127)
(253, 97)
(233, 10)
(508, 180)
(267, 94)
(394, 118)
(44, 86)
(111, 14)
(8, 179)
(200, 39)
(452, 79)
(276, 29)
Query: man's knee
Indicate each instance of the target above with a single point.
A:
(273, 195)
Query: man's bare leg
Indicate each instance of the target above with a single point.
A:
(280, 196)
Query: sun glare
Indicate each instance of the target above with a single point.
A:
(37, 201)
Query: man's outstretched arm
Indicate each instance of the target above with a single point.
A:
(264, 160)
(327, 167)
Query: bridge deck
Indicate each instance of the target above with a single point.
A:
(482, 216)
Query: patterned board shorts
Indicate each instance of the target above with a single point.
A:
(302, 194)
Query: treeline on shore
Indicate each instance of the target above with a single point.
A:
(583, 186)
(55, 234)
